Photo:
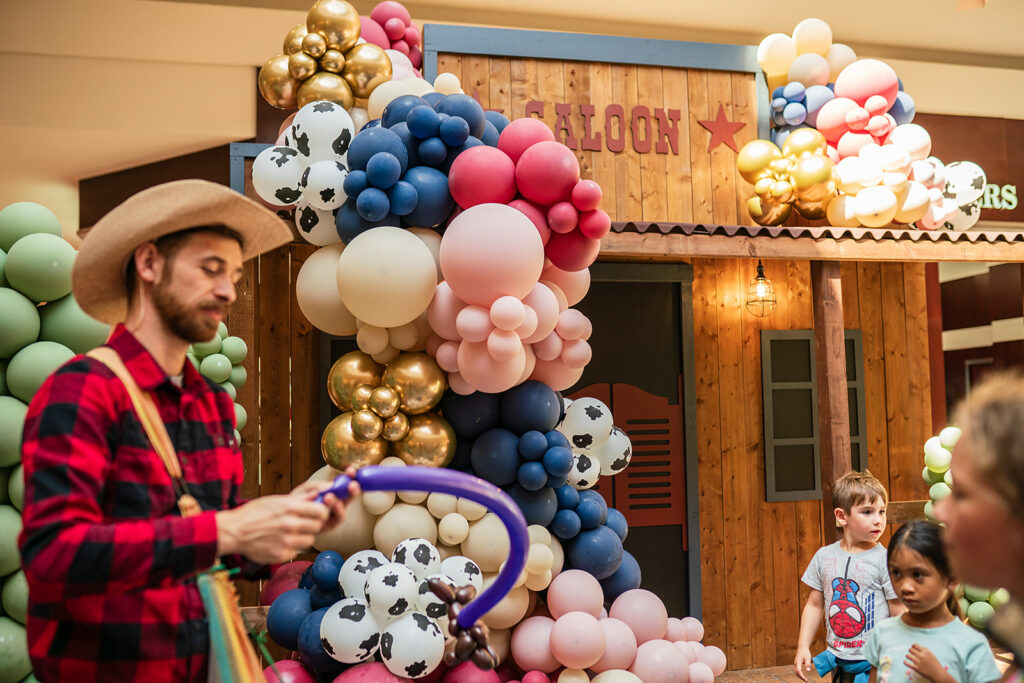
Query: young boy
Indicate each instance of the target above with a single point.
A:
(849, 582)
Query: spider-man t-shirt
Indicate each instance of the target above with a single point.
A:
(856, 588)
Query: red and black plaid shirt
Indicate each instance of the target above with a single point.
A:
(109, 559)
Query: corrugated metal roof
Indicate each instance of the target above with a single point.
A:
(824, 232)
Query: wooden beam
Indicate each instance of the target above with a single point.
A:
(833, 402)
(650, 246)
(933, 294)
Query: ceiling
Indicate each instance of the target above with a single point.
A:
(93, 86)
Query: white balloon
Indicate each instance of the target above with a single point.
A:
(912, 202)
(322, 131)
(349, 631)
(875, 206)
(276, 174)
(585, 470)
(839, 56)
(912, 138)
(965, 218)
(322, 304)
(431, 605)
(775, 53)
(412, 645)
(840, 212)
(812, 35)
(809, 69)
(359, 117)
(965, 180)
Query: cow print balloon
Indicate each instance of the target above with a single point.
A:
(349, 632)
(391, 591)
(587, 424)
(276, 174)
(412, 646)
(463, 572)
(433, 606)
(322, 131)
(355, 570)
(616, 452)
(316, 226)
(586, 468)
(322, 183)
(419, 555)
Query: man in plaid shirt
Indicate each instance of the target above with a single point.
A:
(110, 561)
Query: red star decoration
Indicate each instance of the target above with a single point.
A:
(722, 130)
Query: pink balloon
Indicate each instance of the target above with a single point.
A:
(388, 9)
(400, 46)
(675, 630)
(459, 385)
(659, 661)
(571, 324)
(701, 673)
(521, 134)
(531, 644)
(412, 36)
(482, 175)
(866, 77)
(575, 590)
(536, 216)
(535, 677)
(577, 640)
(548, 348)
(286, 124)
(574, 285)
(562, 217)
(563, 303)
(531, 363)
(474, 323)
(546, 172)
(507, 313)
(290, 672)
(851, 143)
(394, 28)
(433, 344)
(443, 312)
(556, 374)
(491, 250)
(697, 649)
(714, 658)
(370, 672)
(694, 629)
(481, 371)
(687, 651)
(416, 56)
(576, 353)
(435, 676)
(373, 33)
(586, 195)
(285, 578)
(545, 305)
(447, 356)
(595, 224)
(468, 672)
(529, 325)
(619, 646)
(644, 612)
(572, 250)
(504, 345)
(832, 118)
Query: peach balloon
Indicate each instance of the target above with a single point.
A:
(687, 651)
(531, 645)
(529, 324)
(701, 673)
(443, 312)
(545, 305)
(504, 345)
(619, 646)
(675, 630)
(694, 629)
(575, 591)
(481, 371)
(576, 353)
(556, 374)
(577, 640)
(571, 324)
(574, 285)
(459, 385)
(548, 348)
(714, 658)
(531, 363)
(474, 323)
(447, 356)
(616, 676)
(643, 611)
(659, 661)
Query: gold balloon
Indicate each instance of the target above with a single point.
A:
(332, 61)
(384, 401)
(754, 157)
(430, 441)
(314, 45)
(804, 141)
(361, 397)
(301, 66)
(366, 425)
(768, 211)
(276, 83)
(293, 41)
(349, 372)
(340, 447)
(396, 427)
(813, 208)
(337, 20)
(366, 67)
(417, 379)
(814, 186)
(324, 85)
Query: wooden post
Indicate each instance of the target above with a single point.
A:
(833, 403)
(938, 364)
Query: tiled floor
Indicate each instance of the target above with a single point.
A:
(771, 675)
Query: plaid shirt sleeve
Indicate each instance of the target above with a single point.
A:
(69, 548)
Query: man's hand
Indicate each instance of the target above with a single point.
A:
(921, 660)
(802, 663)
(271, 529)
(336, 507)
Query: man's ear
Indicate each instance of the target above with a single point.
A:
(148, 262)
(841, 519)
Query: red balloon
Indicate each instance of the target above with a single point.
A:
(290, 672)
(395, 28)
(388, 9)
(546, 172)
(370, 672)
(536, 216)
(571, 251)
(372, 32)
(562, 217)
(586, 196)
(482, 175)
(284, 579)
(521, 134)
(595, 224)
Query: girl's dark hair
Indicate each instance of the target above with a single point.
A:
(925, 539)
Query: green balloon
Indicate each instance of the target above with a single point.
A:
(14, 661)
(25, 218)
(235, 349)
(3, 278)
(10, 527)
(222, 330)
(931, 477)
(39, 266)
(31, 678)
(979, 613)
(999, 597)
(238, 376)
(63, 321)
(975, 594)
(929, 511)
(241, 417)
(230, 388)
(216, 367)
(16, 487)
(32, 365)
(20, 322)
(5, 478)
(192, 359)
(15, 596)
(204, 349)
(238, 438)
(965, 604)
(12, 421)
(3, 378)
(938, 491)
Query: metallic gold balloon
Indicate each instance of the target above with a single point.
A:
(366, 425)
(417, 379)
(366, 67)
(349, 372)
(293, 41)
(813, 208)
(815, 189)
(361, 397)
(337, 20)
(767, 211)
(804, 141)
(314, 45)
(332, 61)
(754, 157)
(301, 66)
(340, 447)
(384, 401)
(324, 85)
(430, 441)
(396, 427)
(276, 83)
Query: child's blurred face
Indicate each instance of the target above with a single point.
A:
(918, 584)
(864, 523)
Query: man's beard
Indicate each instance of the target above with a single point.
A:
(187, 323)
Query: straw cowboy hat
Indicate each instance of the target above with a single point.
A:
(98, 275)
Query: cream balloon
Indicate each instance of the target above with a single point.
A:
(912, 138)
(453, 528)
(775, 53)
(469, 509)
(355, 532)
(441, 504)
(378, 502)
(839, 56)
(403, 521)
(433, 242)
(809, 69)
(487, 543)
(875, 206)
(447, 83)
(384, 93)
(510, 610)
(912, 203)
(322, 305)
(840, 212)
(359, 117)
(812, 36)
(616, 676)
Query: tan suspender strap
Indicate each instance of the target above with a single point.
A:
(149, 416)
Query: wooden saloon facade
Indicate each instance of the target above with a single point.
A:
(678, 356)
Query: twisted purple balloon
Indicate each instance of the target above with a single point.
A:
(441, 480)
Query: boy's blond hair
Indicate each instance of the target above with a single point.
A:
(854, 488)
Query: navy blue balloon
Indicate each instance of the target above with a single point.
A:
(324, 597)
(383, 170)
(433, 98)
(495, 456)
(463, 456)
(311, 649)
(423, 121)
(372, 123)
(556, 481)
(561, 408)
(435, 201)
(326, 568)
(597, 551)
(568, 497)
(625, 578)
(454, 132)
(539, 507)
(558, 461)
(454, 152)
(778, 91)
(532, 476)
(441, 116)
(306, 580)
(403, 198)
(903, 109)
(533, 445)
(616, 521)
(592, 514)
(490, 136)
(464, 107)
(373, 204)
(398, 109)
(355, 182)
(410, 141)
(432, 151)
(557, 439)
(496, 119)
(369, 142)
(470, 415)
(530, 406)
(566, 524)
(285, 616)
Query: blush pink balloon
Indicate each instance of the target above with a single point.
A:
(577, 640)
(867, 77)
(468, 672)
(619, 646)
(643, 611)
(604, 614)
(387, 9)
(832, 118)
(443, 312)
(659, 661)
(529, 325)
(474, 323)
(713, 656)
(595, 224)
(482, 175)
(701, 673)
(697, 648)
(459, 385)
(575, 590)
(447, 356)
(373, 33)
(572, 250)
(433, 344)
(535, 677)
(675, 630)
(482, 372)
(556, 374)
(545, 305)
(687, 651)
(694, 629)
(531, 644)
(531, 363)
(370, 672)
(504, 345)
(286, 124)
(563, 217)
(285, 578)
(572, 324)
(536, 216)
(586, 195)
(548, 348)
(546, 172)
(394, 28)
(563, 302)
(574, 285)
(576, 353)
(290, 672)
(521, 134)
(491, 250)
(401, 47)
(507, 313)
